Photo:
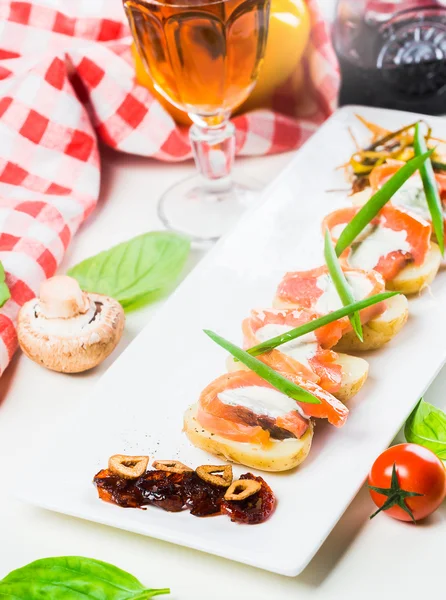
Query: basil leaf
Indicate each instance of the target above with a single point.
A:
(5, 294)
(281, 383)
(426, 426)
(73, 578)
(135, 272)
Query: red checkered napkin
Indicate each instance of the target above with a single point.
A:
(67, 79)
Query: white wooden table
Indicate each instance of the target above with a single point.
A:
(360, 559)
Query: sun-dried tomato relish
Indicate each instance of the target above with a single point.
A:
(163, 489)
(203, 498)
(175, 492)
(255, 509)
(116, 489)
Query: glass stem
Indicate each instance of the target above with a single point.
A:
(214, 151)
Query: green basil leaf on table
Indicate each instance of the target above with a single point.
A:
(5, 294)
(73, 578)
(135, 272)
(426, 426)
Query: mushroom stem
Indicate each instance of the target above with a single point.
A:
(68, 330)
(62, 298)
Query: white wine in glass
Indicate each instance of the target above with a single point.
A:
(204, 57)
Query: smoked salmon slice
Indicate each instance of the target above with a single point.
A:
(327, 336)
(380, 174)
(304, 356)
(411, 195)
(394, 239)
(314, 290)
(241, 406)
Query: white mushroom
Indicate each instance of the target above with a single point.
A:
(68, 330)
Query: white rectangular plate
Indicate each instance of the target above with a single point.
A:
(139, 403)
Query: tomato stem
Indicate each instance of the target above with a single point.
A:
(396, 496)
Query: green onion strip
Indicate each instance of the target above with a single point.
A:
(430, 188)
(281, 383)
(297, 332)
(341, 284)
(372, 207)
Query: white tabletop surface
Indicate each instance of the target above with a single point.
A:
(361, 558)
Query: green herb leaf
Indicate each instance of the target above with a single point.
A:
(274, 342)
(430, 188)
(439, 166)
(281, 383)
(135, 272)
(389, 136)
(341, 284)
(73, 578)
(372, 207)
(426, 426)
(5, 294)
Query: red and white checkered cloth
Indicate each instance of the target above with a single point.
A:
(66, 80)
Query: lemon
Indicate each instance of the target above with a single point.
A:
(288, 35)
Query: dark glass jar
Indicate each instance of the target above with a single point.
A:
(392, 54)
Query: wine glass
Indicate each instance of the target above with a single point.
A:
(204, 57)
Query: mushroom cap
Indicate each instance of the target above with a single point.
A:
(69, 344)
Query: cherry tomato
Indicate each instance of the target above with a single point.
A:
(411, 481)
